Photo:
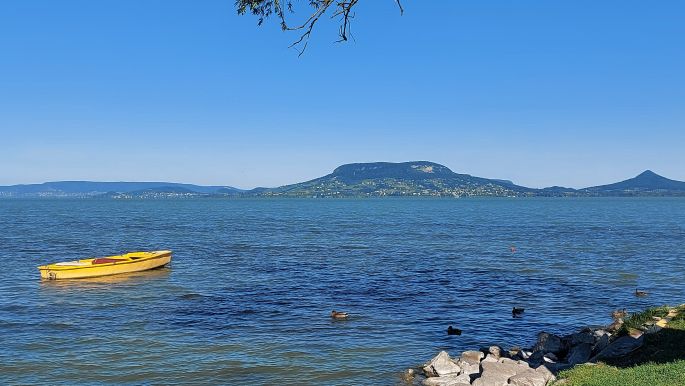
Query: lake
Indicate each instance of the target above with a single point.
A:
(252, 283)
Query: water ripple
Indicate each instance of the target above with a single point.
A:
(247, 298)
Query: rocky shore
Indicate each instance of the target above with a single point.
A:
(537, 365)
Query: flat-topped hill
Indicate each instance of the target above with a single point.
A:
(417, 178)
(419, 170)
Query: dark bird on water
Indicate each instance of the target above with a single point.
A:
(517, 311)
(640, 293)
(339, 315)
(453, 331)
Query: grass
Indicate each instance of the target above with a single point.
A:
(637, 320)
(650, 374)
(660, 361)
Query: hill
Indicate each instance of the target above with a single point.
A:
(90, 188)
(646, 183)
(418, 178)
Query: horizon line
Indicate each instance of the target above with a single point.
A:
(307, 180)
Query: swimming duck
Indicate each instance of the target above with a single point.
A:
(517, 311)
(453, 331)
(640, 293)
(619, 314)
(339, 315)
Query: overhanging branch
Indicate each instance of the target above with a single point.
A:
(342, 9)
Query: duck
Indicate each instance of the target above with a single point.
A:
(616, 325)
(453, 331)
(618, 314)
(517, 311)
(339, 315)
(640, 293)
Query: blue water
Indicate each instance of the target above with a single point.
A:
(248, 295)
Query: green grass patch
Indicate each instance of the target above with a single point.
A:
(678, 322)
(638, 320)
(667, 374)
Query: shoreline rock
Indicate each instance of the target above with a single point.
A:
(441, 365)
(537, 366)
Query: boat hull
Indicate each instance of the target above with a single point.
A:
(131, 262)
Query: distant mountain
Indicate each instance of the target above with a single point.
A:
(418, 178)
(89, 188)
(156, 192)
(646, 183)
(555, 191)
(375, 179)
(168, 189)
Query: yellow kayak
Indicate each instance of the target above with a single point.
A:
(103, 266)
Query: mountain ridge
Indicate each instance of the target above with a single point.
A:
(94, 188)
(371, 179)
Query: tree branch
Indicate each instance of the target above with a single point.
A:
(343, 9)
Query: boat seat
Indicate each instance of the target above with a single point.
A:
(71, 263)
(105, 260)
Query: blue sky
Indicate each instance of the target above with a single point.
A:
(573, 93)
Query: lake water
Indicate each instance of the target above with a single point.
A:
(252, 283)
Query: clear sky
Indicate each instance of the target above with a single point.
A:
(573, 93)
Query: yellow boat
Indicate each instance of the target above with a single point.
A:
(104, 266)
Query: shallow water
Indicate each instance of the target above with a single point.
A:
(247, 298)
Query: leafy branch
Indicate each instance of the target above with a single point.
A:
(339, 9)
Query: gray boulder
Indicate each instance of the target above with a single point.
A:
(498, 373)
(601, 343)
(548, 343)
(585, 336)
(618, 348)
(472, 356)
(470, 362)
(517, 365)
(491, 379)
(496, 351)
(528, 378)
(536, 358)
(441, 365)
(546, 374)
(448, 380)
(489, 358)
(469, 368)
(579, 353)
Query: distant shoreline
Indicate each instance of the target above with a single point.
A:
(305, 198)
(377, 179)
